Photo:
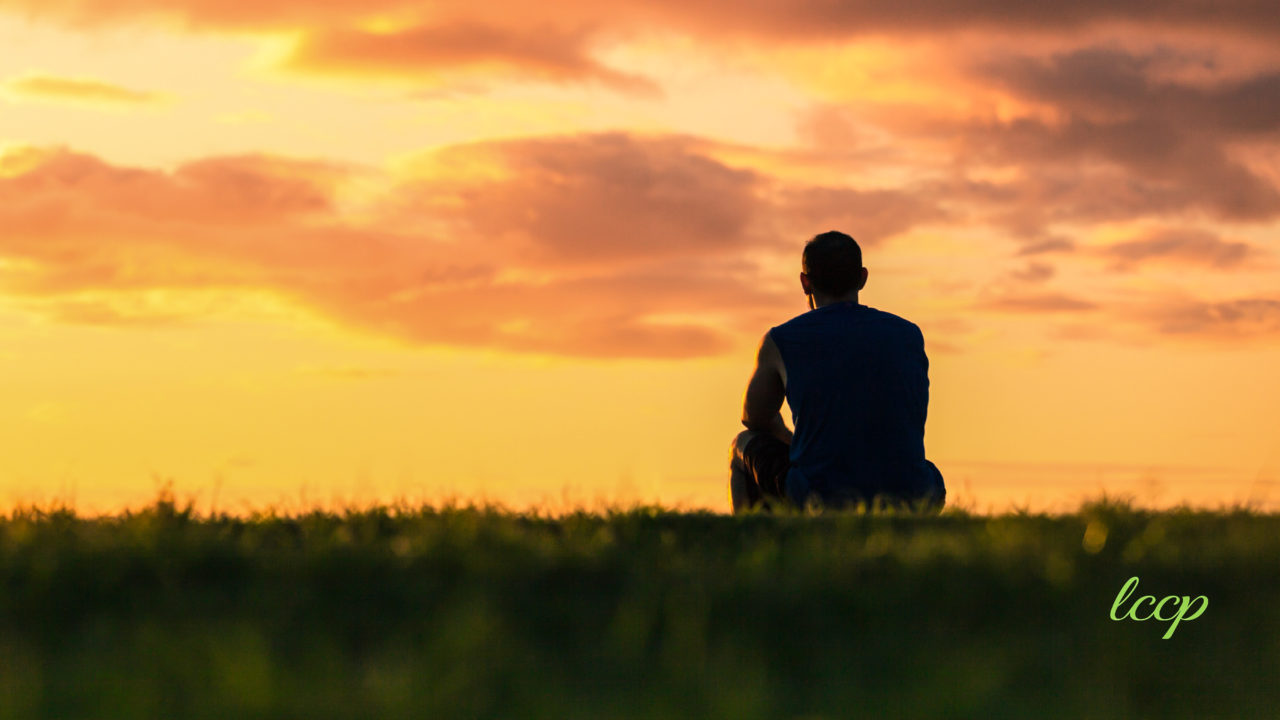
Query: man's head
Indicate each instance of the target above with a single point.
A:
(832, 266)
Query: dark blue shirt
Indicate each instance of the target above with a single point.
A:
(858, 386)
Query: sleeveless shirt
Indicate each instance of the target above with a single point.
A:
(858, 387)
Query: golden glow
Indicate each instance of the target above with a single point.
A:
(261, 364)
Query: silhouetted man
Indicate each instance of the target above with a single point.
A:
(857, 381)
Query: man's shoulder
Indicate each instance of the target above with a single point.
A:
(866, 313)
(897, 321)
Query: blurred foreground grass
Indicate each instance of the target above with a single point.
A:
(642, 613)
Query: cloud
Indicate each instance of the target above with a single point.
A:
(1253, 317)
(594, 198)
(597, 245)
(1126, 143)
(1188, 246)
(876, 214)
(426, 41)
(1051, 143)
(204, 14)
(1137, 320)
(1107, 84)
(432, 50)
(246, 189)
(768, 18)
(1033, 272)
(47, 87)
(1049, 245)
(816, 18)
(1082, 173)
(215, 222)
(1038, 303)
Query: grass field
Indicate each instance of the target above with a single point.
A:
(643, 613)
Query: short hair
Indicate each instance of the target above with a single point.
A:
(833, 262)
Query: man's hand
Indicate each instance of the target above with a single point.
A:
(765, 393)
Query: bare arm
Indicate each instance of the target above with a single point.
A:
(762, 406)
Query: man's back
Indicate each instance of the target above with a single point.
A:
(858, 386)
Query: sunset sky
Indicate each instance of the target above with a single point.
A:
(301, 253)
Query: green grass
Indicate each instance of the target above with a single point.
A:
(638, 613)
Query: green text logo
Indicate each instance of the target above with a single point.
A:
(1176, 612)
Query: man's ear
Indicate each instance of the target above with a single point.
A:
(804, 283)
(862, 281)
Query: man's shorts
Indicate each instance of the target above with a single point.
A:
(759, 478)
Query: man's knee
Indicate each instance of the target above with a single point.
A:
(743, 492)
(738, 448)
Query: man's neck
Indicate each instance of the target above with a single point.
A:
(819, 301)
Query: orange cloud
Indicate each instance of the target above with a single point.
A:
(554, 42)
(1179, 245)
(1252, 317)
(877, 214)
(235, 14)
(597, 245)
(1034, 272)
(774, 18)
(1038, 303)
(1088, 132)
(1138, 318)
(426, 51)
(597, 198)
(605, 244)
(1129, 142)
(1048, 245)
(42, 87)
